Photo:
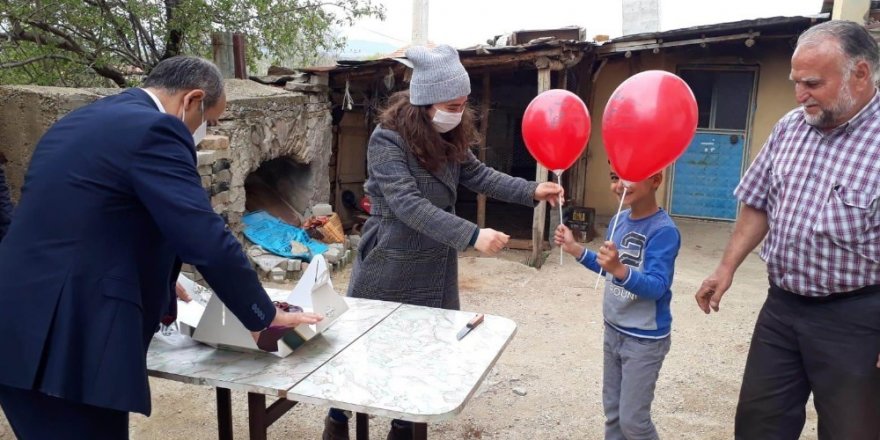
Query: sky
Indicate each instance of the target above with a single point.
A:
(463, 23)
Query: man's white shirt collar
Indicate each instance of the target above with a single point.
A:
(155, 100)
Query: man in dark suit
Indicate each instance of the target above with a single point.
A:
(5, 200)
(112, 197)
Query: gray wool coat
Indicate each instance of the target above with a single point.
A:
(409, 249)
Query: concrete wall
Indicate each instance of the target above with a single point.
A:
(775, 97)
(640, 16)
(261, 122)
(25, 114)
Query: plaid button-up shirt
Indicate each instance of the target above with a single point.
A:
(820, 192)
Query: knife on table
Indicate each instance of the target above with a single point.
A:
(474, 322)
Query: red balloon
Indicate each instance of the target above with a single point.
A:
(556, 127)
(648, 123)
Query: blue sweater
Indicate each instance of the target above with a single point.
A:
(639, 304)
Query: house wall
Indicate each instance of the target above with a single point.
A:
(774, 98)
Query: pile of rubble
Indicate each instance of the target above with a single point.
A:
(279, 269)
(340, 252)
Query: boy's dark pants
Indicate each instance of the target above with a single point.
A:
(827, 346)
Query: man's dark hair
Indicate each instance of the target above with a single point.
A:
(187, 73)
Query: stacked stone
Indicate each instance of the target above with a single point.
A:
(279, 269)
(215, 169)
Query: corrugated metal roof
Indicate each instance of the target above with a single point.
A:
(794, 24)
(475, 51)
(772, 25)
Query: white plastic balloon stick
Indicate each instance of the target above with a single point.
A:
(559, 202)
(613, 229)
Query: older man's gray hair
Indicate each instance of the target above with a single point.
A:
(856, 43)
(187, 73)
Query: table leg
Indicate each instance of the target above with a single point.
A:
(260, 418)
(224, 414)
(420, 431)
(257, 416)
(362, 426)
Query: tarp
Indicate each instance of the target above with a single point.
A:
(275, 236)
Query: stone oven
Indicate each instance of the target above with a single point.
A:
(270, 150)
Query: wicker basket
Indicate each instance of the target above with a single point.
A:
(332, 230)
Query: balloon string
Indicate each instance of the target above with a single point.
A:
(613, 229)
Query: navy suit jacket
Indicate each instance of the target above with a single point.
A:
(111, 198)
(5, 204)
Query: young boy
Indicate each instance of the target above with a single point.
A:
(638, 264)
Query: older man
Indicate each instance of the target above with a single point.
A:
(815, 187)
(111, 198)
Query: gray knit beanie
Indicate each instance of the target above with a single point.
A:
(438, 75)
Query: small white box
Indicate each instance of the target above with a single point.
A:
(212, 324)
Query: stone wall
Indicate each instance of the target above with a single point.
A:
(25, 114)
(264, 123)
(261, 123)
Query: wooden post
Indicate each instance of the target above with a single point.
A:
(239, 55)
(538, 220)
(223, 53)
(484, 132)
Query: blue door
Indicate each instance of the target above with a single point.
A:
(704, 177)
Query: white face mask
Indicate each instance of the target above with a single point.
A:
(202, 131)
(445, 121)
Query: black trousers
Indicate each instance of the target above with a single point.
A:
(827, 347)
(36, 416)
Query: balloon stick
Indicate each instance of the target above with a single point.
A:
(559, 202)
(613, 229)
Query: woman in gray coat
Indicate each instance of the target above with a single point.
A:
(416, 158)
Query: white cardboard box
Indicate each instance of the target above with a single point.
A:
(212, 324)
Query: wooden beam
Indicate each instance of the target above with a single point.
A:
(563, 57)
(657, 44)
(485, 102)
(531, 56)
(538, 219)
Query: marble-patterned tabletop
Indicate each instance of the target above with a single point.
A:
(410, 366)
(192, 362)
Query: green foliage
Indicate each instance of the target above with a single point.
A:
(107, 42)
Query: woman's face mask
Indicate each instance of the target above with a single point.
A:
(445, 121)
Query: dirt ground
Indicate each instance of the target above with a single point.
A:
(555, 359)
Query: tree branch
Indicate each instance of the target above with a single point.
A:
(221, 20)
(67, 39)
(13, 64)
(43, 40)
(89, 59)
(108, 15)
(146, 36)
(175, 36)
